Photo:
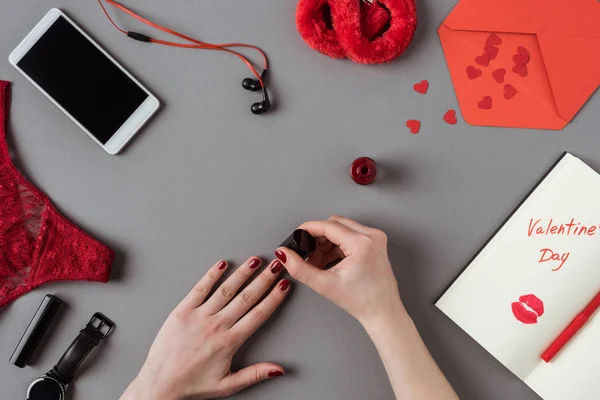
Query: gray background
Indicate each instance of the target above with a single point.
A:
(207, 180)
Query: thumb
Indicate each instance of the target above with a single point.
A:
(250, 376)
(302, 271)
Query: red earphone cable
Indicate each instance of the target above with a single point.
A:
(197, 44)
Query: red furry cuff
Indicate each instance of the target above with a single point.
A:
(365, 33)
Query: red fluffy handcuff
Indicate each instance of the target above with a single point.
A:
(365, 31)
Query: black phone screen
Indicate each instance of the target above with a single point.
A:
(79, 77)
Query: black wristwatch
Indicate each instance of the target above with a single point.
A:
(53, 385)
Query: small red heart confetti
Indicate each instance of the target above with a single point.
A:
(492, 51)
(473, 73)
(493, 40)
(421, 87)
(450, 117)
(521, 59)
(486, 103)
(483, 59)
(509, 91)
(523, 50)
(414, 126)
(521, 70)
(498, 75)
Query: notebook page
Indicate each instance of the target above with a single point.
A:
(575, 372)
(516, 269)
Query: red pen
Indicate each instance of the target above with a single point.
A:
(580, 320)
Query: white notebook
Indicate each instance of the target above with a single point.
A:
(537, 272)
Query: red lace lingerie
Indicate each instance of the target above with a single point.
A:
(37, 244)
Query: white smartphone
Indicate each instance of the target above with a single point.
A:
(86, 83)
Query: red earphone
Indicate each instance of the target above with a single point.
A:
(249, 83)
(366, 31)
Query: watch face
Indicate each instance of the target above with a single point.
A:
(45, 388)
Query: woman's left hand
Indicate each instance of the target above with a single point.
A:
(192, 353)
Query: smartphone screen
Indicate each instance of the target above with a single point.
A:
(79, 77)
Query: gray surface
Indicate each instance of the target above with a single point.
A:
(207, 180)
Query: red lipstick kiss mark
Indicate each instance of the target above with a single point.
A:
(528, 309)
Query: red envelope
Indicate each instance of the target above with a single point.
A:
(563, 70)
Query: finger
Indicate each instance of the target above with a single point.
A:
(323, 246)
(321, 258)
(334, 255)
(332, 230)
(350, 224)
(246, 326)
(249, 376)
(302, 271)
(230, 287)
(251, 294)
(200, 291)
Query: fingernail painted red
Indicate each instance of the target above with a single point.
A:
(275, 373)
(281, 256)
(254, 263)
(284, 285)
(276, 267)
(222, 265)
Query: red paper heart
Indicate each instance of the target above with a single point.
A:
(493, 40)
(523, 50)
(473, 73)
(521, 70)
(486, 103)
(492, 51)
(450, 117)
(414, 126)
(483, 59)
(509, 91)
(521, 59)
(498, 75)
(421, 87)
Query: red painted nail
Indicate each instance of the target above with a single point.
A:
(284, 285)
(275, 373)
(276, 267)
(254, 263)
(222, 265)
(281, 256)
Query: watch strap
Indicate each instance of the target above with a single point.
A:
(96, 329)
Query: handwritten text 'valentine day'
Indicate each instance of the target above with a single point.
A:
(573, 228)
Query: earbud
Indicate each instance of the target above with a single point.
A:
(251, 84)
(254, 85)
(263, 106)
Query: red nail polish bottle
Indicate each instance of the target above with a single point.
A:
(363, 171)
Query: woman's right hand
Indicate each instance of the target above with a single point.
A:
(362, 283)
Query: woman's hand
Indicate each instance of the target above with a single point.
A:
(192, 353)
(362, 283)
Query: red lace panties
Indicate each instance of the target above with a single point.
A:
(37, 244)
